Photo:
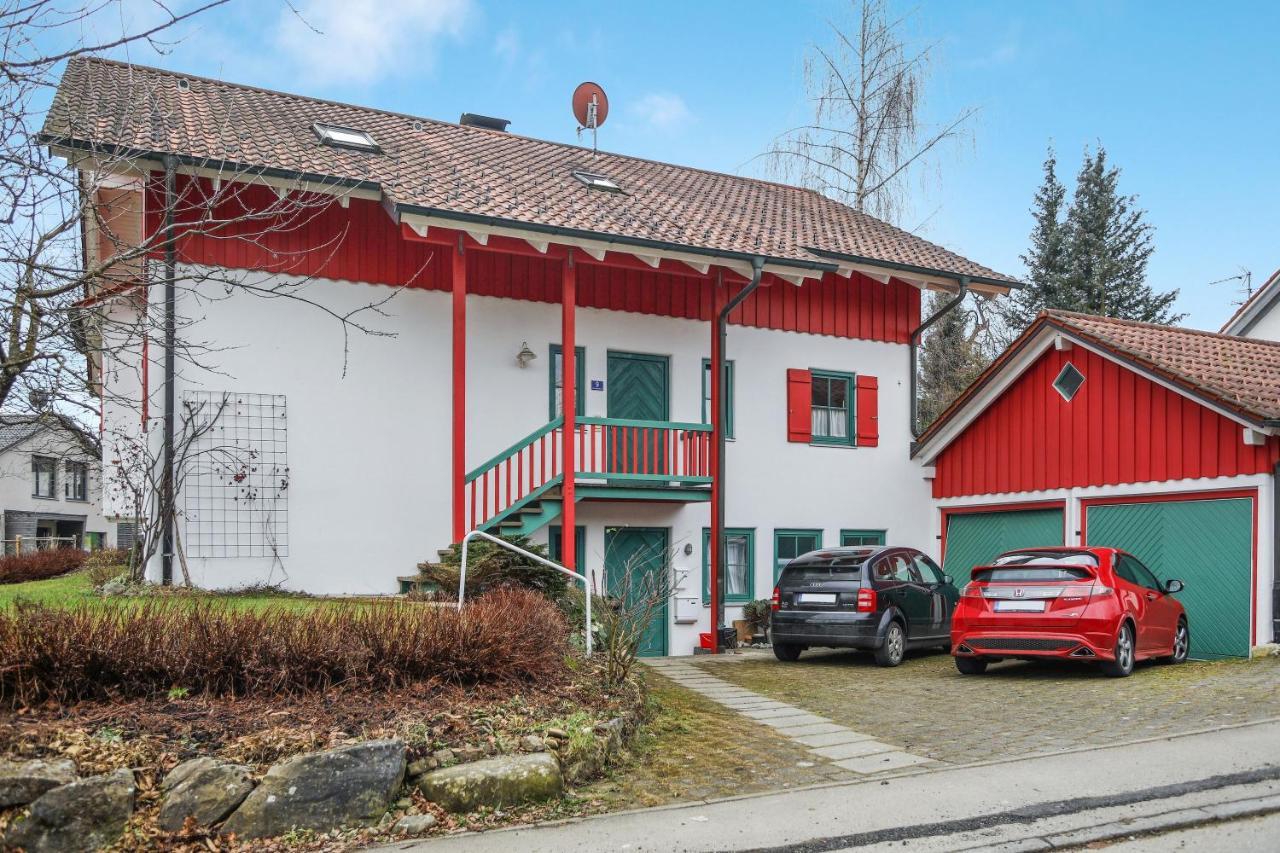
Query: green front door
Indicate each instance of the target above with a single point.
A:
(635, 565)
(975, 538)
(1208, 545)
(638, 390)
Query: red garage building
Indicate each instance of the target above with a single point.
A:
(1159, 440)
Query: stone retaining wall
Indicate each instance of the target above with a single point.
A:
(357, 785)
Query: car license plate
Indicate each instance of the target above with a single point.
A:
(817, 598)
(1020, 606)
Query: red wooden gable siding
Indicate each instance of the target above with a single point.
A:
(1119, 428)
(360, 243)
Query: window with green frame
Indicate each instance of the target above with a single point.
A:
(555, 542)
(740, 565)
(832, 401)
(556, 380)
(728, 395)
(789, 544)
(862, 537)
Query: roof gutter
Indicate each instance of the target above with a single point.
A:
(915, 352)
(912, 268)
(604, 237)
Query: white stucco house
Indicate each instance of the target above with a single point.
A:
(490, 257)
(50, 486)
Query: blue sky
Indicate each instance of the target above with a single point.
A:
(1183, 95)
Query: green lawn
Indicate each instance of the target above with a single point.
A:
(75, 589)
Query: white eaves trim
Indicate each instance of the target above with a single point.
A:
(597, 248)
(1050, 336)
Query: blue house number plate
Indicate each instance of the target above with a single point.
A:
(597, 384)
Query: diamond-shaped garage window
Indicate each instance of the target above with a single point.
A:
(1069, 381)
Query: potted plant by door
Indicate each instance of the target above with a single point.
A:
(757, 613)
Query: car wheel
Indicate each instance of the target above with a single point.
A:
(945, 648)
(971, 666)
(894, 647)
(1181, 644)
(1122, 666)
(788, 652)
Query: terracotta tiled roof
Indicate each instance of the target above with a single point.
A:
(1240, 374)
(468, 170)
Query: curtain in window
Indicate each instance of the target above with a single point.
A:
(736, 565)
(832, 423)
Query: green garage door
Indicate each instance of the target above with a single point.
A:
(1208, 545)
(974, 539)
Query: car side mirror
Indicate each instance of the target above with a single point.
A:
(948, 579)
(1173, 586)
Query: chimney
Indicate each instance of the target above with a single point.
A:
(487, 122)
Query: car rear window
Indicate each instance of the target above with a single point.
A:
(1046, 558)
(820, 566)
(1035, 573)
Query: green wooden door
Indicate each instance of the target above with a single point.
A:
(1208, 545)
(638, 390)
(635, 560)
(974, 539)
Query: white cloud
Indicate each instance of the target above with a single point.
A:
(662, 111)
(507, 46)
(364, 40)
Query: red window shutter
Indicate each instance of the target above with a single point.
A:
(799, 405)
(868, 411)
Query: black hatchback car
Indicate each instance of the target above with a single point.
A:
(884, 599)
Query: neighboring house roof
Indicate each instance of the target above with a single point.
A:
(1264, 300)
(1240, 375)
(476, 174)
(15, 429)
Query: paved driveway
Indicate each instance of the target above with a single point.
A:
(927, 709)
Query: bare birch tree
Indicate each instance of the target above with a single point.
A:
(867, 135)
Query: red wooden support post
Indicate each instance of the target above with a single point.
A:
(459, 391)
(569, 403)
(716, 538)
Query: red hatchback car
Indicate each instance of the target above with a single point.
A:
(1080, 604)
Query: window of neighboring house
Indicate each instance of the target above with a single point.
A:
(789, 544)
(44, 472)
(727, 391)
(557, 381)
(739, 568)
(862, 537)
(76, 486)
(832, 395)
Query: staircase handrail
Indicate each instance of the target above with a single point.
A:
(529, 439)
(462, 574)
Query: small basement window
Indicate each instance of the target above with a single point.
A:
(345, 137)
(597, 182)
(1069, 381)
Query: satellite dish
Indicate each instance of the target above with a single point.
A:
(590, 108)
(590, 105)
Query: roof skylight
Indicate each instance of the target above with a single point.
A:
(597, 182)
(345, 137)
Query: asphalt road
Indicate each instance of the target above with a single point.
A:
(1258, 833)
(1018, 802)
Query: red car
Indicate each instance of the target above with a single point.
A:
(1082, 604)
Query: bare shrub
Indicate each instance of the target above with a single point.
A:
(145, 649)
(106, 564)
(39, 565)
(623, 616)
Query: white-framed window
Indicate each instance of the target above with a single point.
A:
(76, 484)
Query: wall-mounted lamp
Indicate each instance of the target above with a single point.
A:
(525, 355)
(688, 548)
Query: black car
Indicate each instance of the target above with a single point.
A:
(886, 599)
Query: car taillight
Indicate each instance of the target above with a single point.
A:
(972, 590)
(777, 600)
(866, 601)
